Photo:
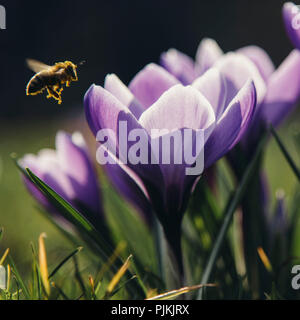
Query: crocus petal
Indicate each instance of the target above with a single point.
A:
(207, 54)
(260, 58)
(104, 111)
(53, 175)
(283, 89)
(179, 65)
(237, 69)
(150, 83)
(72, 150)
(177, 182)
(131, 187)
(231, 125)
(47, 168)
(30, 161)
(247, 99)
(117, 88)
(213, 86)
(179, 107)
(291, 18)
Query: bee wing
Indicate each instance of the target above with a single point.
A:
(36, 66)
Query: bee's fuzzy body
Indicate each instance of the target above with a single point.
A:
(52, 79)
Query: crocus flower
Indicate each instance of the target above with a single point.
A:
(280, 229)
(279, 221)
(277, 89)
(130, 190)
(156, 100)
(291, 19)
(68, 170)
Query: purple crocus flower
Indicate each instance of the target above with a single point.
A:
(68, 170)
(277, 89)
(155, 99)
(291, 19)
(279, 221)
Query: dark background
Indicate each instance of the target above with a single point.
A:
(120, 37)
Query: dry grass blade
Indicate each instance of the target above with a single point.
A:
(117, 277)
(264, 258)
(4, 256)
(175, 293)
(8, 277)
(92, 284)
(121, 246)
(43, 264)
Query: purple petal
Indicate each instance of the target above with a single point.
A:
(179, 65)
(150, 83)
(104, 111)
(76, 164)
(260, 58)
(238, 69)
(231, 125)
(177, 183)
(46, 167)
(213, 86)
(247, 101)
(179, 107)
(283, 90)
(117, 88)
(207, 54)
(131, 187)
(291, 19)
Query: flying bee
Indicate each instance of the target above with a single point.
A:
(51, 78)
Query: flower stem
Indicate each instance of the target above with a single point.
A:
(173, 237)
(160, 245)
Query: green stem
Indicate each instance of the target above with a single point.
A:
(173, 237)
(160, 249)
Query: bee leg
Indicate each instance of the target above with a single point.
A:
(59, 91)
(68, 84)
(58, 88)
(52, 93)
(49, 93)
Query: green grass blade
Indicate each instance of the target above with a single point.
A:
(64, 261)
(60, 292)
(59, 202)
(286, 153)
(19, 278)
(79, 279)
(71, 214)
(239, 193)
(36, 279)
(161, 250)
(83, 225)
